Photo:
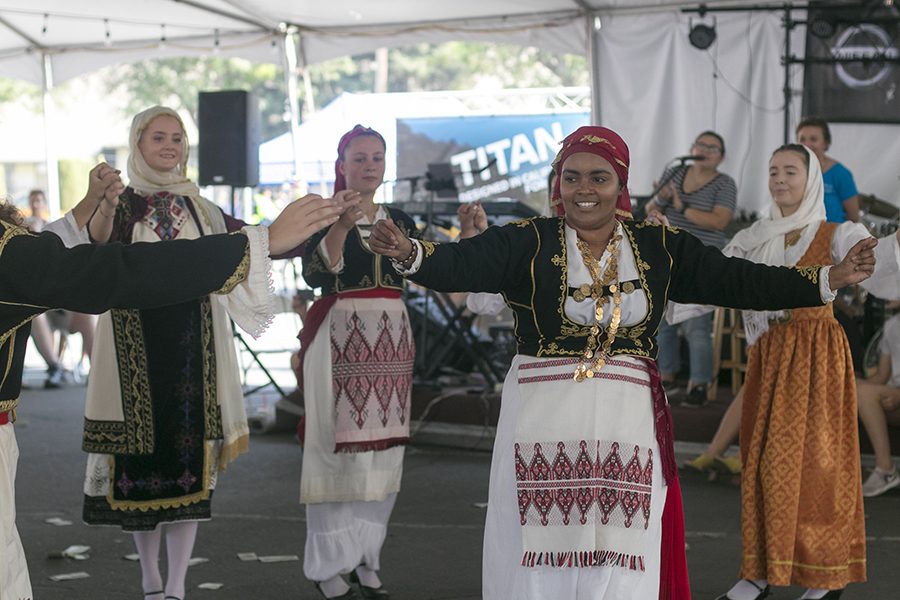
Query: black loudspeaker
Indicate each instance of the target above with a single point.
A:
(229, 127)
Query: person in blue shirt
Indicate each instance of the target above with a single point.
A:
(841, 196)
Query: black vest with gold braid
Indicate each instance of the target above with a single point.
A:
(526, 261)
(363, 270)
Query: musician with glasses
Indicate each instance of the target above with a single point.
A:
(701, 200)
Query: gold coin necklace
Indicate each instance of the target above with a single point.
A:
(592, 361)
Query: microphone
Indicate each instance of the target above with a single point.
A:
(689, 157)
(490, 164)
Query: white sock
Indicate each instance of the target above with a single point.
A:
(179, 545)
(368, 577)
(813, 593)
(147, 545)
(747, 589)
(336, 586)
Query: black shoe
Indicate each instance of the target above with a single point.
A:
(696, 397)
(369, 593)
(56, 377)
(763, 593)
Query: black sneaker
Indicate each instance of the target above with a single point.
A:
(696, 397)
(55, 378)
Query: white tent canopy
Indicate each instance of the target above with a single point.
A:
(649, 83)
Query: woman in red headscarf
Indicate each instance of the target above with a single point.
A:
(357, 359)
(584, 499)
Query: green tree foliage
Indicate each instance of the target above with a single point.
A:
(17, 91)
(450, 66)
(176, 82)
(425, 67)
(468, 65)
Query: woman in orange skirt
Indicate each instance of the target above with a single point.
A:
(801, 492)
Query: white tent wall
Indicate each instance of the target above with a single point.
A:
(659, 92)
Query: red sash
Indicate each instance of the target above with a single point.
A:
(673, 573)
(4, 417)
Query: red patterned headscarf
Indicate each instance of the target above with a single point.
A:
(602, 142)
(340, 183)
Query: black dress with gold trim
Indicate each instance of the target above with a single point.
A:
(526, 262)
(37, 273)
(158, 464)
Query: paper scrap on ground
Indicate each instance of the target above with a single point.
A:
(57, 521)
(68, 576)
(480, 504)
(77, 552)
(282, 558)
(248, 556)
(197, 560)
(134, 557)
(210, 585)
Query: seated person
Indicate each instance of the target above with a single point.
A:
(879, 406)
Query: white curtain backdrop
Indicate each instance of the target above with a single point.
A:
(659, 92)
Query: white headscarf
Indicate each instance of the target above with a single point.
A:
(763, 242)
(148, 181)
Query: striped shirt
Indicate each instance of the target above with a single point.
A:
(720, 191)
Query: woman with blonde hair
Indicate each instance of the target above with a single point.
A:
(165, 408)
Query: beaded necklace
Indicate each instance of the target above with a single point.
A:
(595, 291)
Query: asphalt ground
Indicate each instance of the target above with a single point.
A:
(433, 550)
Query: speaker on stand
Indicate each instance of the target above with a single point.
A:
(228, 155)
(228, 149)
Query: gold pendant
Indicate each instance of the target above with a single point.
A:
(613, 288)
(579, 376)
(585, 290)
(590, 374)
(579, 297)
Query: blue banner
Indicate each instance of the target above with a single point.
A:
(503, 157)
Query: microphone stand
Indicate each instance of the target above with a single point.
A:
(668, 177)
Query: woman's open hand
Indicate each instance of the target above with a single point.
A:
(301, 219)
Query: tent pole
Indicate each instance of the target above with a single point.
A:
(788, 26)
(50, 158)
(592, 32)
(290, 76)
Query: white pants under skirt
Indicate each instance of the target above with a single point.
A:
(504, 577)
(340, 536)
(14, 581)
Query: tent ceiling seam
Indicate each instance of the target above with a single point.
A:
(528, 20)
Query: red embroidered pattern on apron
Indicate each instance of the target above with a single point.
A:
(587, 476)
(362, 372)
